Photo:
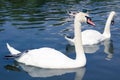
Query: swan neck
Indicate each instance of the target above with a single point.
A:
(80, 56)
(106, 32)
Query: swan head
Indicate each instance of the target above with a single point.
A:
(84, 17)
(112, 14)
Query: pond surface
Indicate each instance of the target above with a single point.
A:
(30, 24)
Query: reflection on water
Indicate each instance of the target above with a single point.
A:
(108, 49)
(12, 68)
(91, 49)
(32, 15)
(39, 72)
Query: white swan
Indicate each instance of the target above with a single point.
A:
(50, 58)
(90, 37)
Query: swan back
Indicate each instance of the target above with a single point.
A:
(91, 37)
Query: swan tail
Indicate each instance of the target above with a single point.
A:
(68, 39)
(13, 51)
(71, 41)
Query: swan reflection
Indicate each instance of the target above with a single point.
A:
(40, 72)
(108, 49)
(90, 49)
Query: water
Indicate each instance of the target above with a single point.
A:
(30, 24)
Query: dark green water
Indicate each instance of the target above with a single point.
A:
(29, 24)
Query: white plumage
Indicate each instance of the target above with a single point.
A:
(50, 58)
(91, 37)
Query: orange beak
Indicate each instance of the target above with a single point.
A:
(89, 21)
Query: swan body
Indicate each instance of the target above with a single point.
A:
(46, 58)
(94, 39)
(50, 58)
(91, 37)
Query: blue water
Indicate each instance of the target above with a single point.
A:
(30, 24)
